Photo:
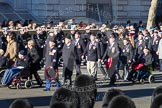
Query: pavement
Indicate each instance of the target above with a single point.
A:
(139, 93)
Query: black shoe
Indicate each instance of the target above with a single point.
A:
(40, 84)
(46, 89)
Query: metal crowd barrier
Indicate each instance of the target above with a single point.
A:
(31, 32)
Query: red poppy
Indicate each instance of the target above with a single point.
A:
(137, 67)
(108, 63)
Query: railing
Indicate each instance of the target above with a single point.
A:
(31, 32)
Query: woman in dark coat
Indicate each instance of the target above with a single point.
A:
(34, 60)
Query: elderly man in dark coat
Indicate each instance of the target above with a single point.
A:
(79, 49)
(112, 52)
(68, 59)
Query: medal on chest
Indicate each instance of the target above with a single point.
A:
(94, 47)
(113, 49)
(78, 46)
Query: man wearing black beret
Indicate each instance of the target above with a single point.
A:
(68, 58)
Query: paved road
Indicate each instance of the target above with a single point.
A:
(140, 93)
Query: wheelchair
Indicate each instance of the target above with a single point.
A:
(2, 71)
(138, 75)
(23, 79)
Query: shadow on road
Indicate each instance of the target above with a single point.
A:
(138, 93)
(36, 101)
(45, 100)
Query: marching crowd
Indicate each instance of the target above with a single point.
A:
(119, 47)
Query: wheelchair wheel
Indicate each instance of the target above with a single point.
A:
(2, 72)
(28, 84)
(151, 79)
(18, 86)
(142, 81)
(14, 84)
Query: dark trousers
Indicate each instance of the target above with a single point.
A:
(155, 62)
(77, 68)
(125, 71)
(102, 69)
(112, 79)
(67, 73)
(37, 77)
(160, 64)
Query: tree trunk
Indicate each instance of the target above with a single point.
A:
(152, 14)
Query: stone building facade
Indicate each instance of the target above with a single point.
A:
(116, 11)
